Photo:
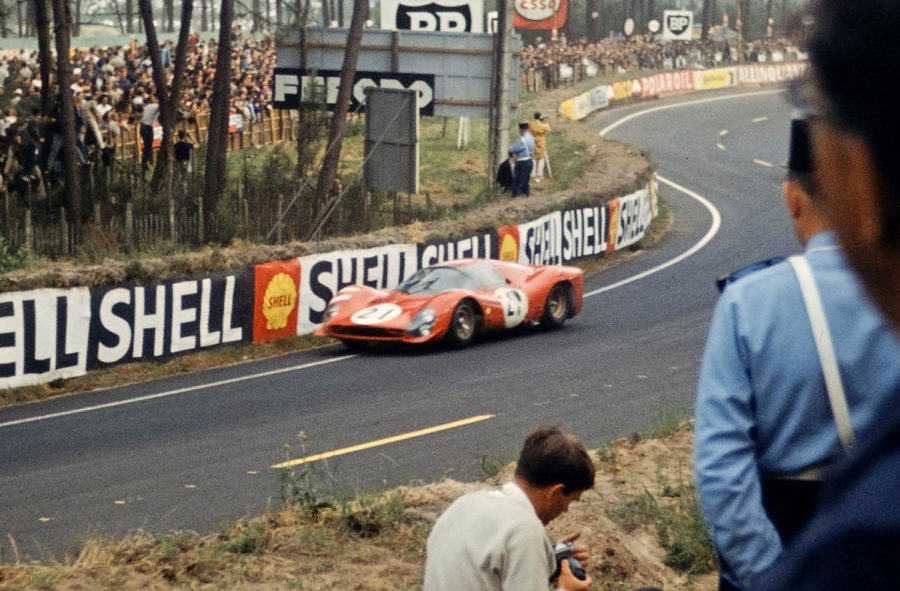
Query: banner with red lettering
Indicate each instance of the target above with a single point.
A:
(540, 14)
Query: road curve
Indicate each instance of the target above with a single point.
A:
(195, 451)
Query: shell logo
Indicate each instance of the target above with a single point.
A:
(509, 244)
(279, 301)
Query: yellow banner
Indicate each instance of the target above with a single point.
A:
(713, 79)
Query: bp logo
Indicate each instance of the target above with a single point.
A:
(279, 301)
(678, 24)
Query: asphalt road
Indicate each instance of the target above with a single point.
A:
(195, 451)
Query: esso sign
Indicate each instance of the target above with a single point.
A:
(536, 10)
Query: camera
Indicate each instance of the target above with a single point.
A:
(565, 551)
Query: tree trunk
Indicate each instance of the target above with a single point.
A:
(278, 14)
(42, 18)
(30, 19)
(168, 102)
(204, 23)
(651, 11)
(129, 16)
(62, 20)
(770, 20)
(326, 14)
(589, 9)
(328, 174)
(340, 11)
(254, 28)
(706, 19)
(217, 142)
(169, 6)
(747, 29)
(76, 26)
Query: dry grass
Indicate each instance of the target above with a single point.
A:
(292, 550)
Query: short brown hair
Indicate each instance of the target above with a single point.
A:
(550, 457)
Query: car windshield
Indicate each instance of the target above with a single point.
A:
(436, 279)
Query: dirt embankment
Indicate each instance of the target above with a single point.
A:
(636, 522)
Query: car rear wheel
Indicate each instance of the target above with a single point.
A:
(463, 324)
(558, 307)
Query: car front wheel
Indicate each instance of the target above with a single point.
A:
(463, 324)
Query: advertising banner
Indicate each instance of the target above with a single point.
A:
(666, 82)
(715, 79)
(143, 323)
(276, 291)
(323, 275)
(633, 218)
(622, 90)
(451, 16)
(546, 15)
(770, 73)
(41, 347)
(482, 246)
(295, 86)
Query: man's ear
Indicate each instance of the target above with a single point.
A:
(791, 193)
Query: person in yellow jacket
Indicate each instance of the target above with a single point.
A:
(539, 129)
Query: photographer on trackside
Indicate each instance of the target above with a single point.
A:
(495, 539)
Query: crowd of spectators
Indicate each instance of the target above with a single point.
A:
(554, 60)
(113, 84)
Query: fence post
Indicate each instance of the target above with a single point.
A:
(97, 213)
(29, 231)
(200, 218)
(64, 227)
(173, 230)
(6, 223)
(280, 224)
(129, 224)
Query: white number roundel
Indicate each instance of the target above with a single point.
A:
(377, 314)
(536, 10)
(515, 305)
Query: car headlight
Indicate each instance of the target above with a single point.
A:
(330, 312)
(422, 324)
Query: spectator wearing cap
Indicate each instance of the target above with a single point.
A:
(539, 129)
(774, 410)
(523, 151)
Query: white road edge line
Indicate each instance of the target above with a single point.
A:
(713, 99)
(716, 216)
(168, 393)
(714, 228)
(761, 119)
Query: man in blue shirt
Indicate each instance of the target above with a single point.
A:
(523, 151)
(765, 430)
(853, 541)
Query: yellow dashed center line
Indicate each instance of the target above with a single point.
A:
(385, 441)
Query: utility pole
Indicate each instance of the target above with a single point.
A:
(498, 141)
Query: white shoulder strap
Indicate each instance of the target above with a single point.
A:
(825, 347)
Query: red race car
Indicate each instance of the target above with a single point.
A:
(454, 301)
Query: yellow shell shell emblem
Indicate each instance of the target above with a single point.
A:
(279, 301)
(509, 250)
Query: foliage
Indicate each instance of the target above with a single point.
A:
(303, 487)
(250, 540)
(11, 259)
